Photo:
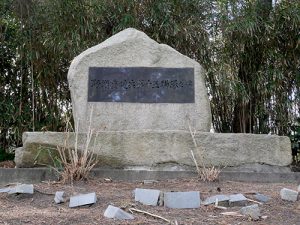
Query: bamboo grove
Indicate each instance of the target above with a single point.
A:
(250, 50)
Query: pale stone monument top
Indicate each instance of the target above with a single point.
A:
(135, 83)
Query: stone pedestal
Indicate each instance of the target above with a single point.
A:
(161, 150)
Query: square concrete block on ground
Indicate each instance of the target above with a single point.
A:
(147, 196)
(58, 198)
(22, 189)
(261, 198)
(289, 195)
(83, 199)
(237, 200)
(223, 200)
(182, 200)
(3, 190)
(117, 213)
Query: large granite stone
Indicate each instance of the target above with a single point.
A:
(160, 149)
(132, 48)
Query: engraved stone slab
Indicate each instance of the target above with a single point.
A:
(184, 100)
(141, 85)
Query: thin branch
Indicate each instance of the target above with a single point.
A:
(150, 214)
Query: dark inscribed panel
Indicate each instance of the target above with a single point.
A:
(141, 85)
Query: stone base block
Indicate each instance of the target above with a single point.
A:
(166, 150)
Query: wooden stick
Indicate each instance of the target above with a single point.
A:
(231, 214)
(150, 214)
(251, 200)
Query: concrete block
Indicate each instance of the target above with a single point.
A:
(3, 190)
(59, 197)
(182, 200)
(252, 211)
(288, 194)
(83, 199)
(117, 213)
(147, 196)
(21, 189)
(223, 200)
(261, 198)
(237, 200)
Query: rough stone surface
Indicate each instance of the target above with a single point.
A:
(288, 194)
(237, 200)
(261, 198)
(58, 198)
(252, 211)
(83, 199)
(132, 48)
(298, 189)
(117, 213)
(147, 196)
(162, 149)
(182, 200)
(223, 200)
(22, 189)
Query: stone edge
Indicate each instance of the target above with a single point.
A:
(36, 175)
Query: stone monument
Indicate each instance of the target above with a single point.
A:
(140, 97)
(137, 70)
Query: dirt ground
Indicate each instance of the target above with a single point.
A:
(40, 208)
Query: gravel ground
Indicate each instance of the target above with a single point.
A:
(40, 208)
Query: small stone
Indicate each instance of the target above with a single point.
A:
(150, 181)
(252, 211)
(117, 213)
(83, 199)
(21, 189)
(237, 200)
(59, 197)
(288, 194)
(182, 200)
(223, 200)
(147, 196)
(261, 198)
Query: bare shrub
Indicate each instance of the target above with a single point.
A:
(204, 173)
(76, 165)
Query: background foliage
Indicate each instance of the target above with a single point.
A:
(250, 50)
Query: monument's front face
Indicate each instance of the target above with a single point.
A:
(144, 95)
(134, 83)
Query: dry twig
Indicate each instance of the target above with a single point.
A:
(205, 174)
(251, 200)
(77, 165)
(150, 214)
(231, 214)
